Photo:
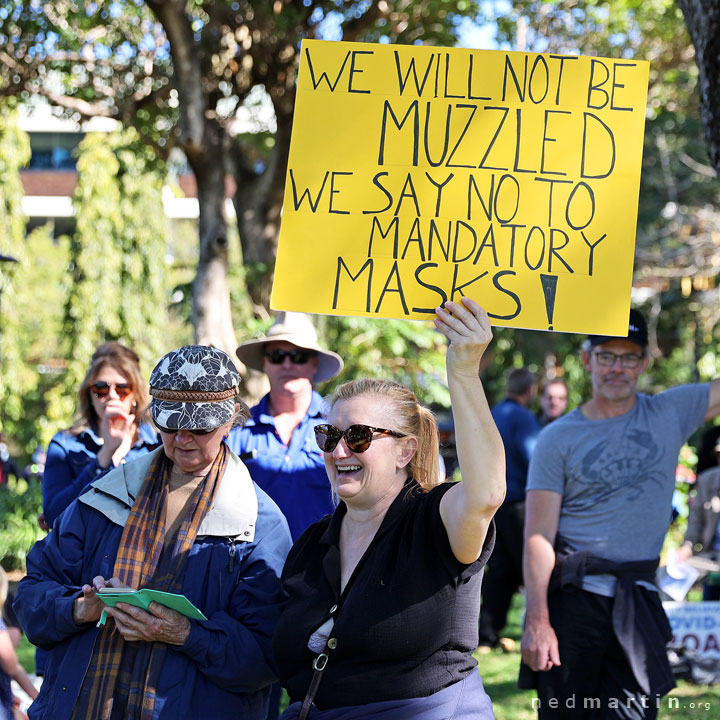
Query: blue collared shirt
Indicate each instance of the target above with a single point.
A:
(292, 475)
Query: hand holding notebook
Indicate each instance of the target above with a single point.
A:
(142, 599)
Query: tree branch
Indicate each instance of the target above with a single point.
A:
(352, 29)
(83, 107)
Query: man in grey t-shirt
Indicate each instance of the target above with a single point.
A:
(601, 480)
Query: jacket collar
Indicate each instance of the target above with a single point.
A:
(233, 513)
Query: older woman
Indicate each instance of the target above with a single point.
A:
(185, 519)
(384, 596)
(110, 429)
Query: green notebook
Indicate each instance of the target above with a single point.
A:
(142, 599)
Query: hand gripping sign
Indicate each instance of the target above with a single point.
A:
(418, 174)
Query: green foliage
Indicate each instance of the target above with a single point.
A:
(26, 654)
(14, 153)
(408, 352)
(40, 299)
(412, 353)
(144, 279)
(92, 311)
(676, 269)
(120, 283)
(20, 504)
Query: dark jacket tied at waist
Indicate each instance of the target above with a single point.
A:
(638, 619)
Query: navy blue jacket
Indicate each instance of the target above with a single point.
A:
(71, 465)
(232, 575)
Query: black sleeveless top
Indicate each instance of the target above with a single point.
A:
(407, 623)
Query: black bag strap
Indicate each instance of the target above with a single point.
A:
(319, 665)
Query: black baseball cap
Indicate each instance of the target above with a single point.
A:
(637, 332)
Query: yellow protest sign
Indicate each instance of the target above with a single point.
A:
(420, 174)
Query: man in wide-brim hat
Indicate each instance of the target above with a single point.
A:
(278, 441)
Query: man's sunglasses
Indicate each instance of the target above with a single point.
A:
(357, 437)
(168, 431)
(101, 389)
(297, 357)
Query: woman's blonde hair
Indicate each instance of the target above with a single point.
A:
(408, 417)
(126, 362)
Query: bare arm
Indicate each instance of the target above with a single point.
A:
(714, 400)
(468, 508)
(12, 667)
(539, 642)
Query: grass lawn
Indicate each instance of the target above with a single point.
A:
(499, 671)
(26, 655)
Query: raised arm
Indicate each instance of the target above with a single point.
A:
(539, 642)
(468, 508)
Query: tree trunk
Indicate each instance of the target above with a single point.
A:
(212, 317)
(204, 142)
(258, 206)
(702, 18)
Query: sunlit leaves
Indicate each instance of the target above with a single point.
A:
(14, 154)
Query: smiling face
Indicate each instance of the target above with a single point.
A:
(376, 476)
(614, 383)
(289, 376)
(111, 402)
(194, 454)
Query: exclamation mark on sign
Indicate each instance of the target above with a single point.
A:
(549, 286)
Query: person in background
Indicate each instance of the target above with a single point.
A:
(110, 431)
(599, 496)
(10, 667)
(518, 429)
(7, 464)
(553, 401)
(706, 456)
(35, 469)
(277, 442)
(383, 596)
(703, 528)
(184, 519)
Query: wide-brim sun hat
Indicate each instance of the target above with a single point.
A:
(194, 388)
(295, 328)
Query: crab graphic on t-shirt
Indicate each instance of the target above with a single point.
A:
(628, 467)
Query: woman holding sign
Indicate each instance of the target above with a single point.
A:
(384, 595)
(185, 519)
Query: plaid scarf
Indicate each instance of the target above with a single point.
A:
(121, 679)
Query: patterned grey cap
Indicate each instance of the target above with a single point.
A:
(194, 388)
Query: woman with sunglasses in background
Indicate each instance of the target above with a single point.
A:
(187, 519)
(112, 398)
(384, 595)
